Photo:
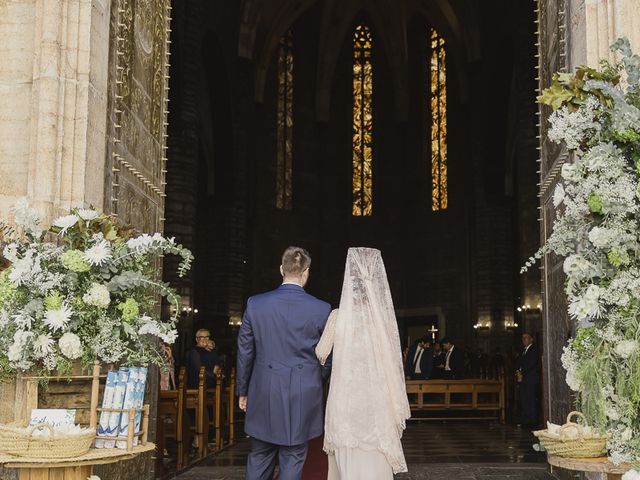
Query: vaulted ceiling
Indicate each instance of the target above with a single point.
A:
(263, 22)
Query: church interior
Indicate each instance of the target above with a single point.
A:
(407, 126)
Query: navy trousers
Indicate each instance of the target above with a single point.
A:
(529, 403)
(262, 460)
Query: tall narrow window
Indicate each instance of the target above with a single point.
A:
(284, 167)
(438, 109)
(362, 122)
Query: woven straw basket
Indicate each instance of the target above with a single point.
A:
(56, 445)
(584, 446)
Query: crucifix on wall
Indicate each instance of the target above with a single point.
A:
(433, 330)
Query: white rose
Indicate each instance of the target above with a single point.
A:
(626, 348)
(631, 475)
(70, 345)
(569, 172)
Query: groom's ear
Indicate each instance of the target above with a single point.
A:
(281, 271)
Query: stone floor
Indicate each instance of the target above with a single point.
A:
(451, 450)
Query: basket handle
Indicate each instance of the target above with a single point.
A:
(39, 426)
(575, 413)
(573, 425)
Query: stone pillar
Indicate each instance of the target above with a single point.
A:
(595, 24)
(53, 102)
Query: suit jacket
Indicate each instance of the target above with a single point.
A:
(200, 357)
(529, 364)
(456, 364)
(426, 364)
(277, 366)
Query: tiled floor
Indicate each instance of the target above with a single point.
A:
(434, 451)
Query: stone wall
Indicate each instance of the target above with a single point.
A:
(53, 90)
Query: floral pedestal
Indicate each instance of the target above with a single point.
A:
(79, 468)
(601, 465)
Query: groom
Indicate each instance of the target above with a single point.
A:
(279, 377)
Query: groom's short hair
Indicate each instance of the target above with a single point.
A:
(295, 260)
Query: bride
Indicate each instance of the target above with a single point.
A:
(367, 406)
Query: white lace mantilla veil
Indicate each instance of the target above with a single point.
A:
(367, 406)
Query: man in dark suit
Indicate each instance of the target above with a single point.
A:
(419, 362)
(280, 380)
(202, 356)
(453, 367)
(528, 376)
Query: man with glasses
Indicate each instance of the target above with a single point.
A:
(202, 355)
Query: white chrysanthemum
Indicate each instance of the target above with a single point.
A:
(43, 345)
(631, 475)
(586, 305)
(10, 252)
(98, 254)
(65, 223)
(558, 195)
(28, 218)
(70, 345)
(57, 319)
(98, 296)
(87, 214)
(626, 348)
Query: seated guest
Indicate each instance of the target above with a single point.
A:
(453, 361)
(419, 361)
(202, 355)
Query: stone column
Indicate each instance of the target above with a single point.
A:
(53, 102)
(595, 24)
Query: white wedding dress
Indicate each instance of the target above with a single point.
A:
(367, 406)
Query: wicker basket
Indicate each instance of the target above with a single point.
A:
(585, 446)
(56, 445)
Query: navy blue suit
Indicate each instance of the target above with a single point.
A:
(280, 374)
(426, 364)
(529, 365)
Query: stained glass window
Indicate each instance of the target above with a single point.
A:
(284, 167)
(438, 110)
(362, 122)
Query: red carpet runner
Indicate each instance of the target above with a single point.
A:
(315, 468)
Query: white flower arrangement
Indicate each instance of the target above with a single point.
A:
(597, 230)
(92, 295)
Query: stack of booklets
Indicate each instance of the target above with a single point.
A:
(124, 390)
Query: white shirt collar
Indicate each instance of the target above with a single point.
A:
(292, 283)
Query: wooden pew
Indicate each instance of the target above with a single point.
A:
(196, 400)
(214, 403)
(223, 403)
(171, 403)
(230, 403)
(472, 389)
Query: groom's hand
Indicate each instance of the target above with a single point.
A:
(242, 403)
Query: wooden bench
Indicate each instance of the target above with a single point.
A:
(477, 395)
(172, 405)
(196, 400)
(222, 401)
